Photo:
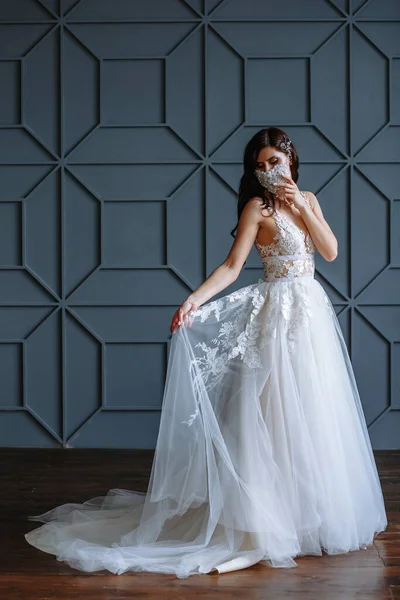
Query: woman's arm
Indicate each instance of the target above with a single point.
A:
(227, 272)
(321, 234)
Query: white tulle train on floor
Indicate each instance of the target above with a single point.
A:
(263, 452)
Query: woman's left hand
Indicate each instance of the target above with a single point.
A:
(291, 195)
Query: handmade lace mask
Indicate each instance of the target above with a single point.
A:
(274, 175)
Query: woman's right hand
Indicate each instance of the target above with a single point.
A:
(183, 314)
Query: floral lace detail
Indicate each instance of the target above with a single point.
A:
(288, 267)
(291, 252)
(296, 310)
(237, 337)
(207, 309)
(252, 323)
(249, 327)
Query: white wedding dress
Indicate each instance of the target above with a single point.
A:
(263, 452)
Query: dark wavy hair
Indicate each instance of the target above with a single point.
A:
(249, 184)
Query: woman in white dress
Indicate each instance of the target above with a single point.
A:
(263, 452)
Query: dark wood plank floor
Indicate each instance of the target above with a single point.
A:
(35, 480)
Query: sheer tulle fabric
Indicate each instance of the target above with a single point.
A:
(263, 451)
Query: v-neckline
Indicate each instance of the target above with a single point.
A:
(305, 233)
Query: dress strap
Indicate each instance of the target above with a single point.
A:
(306, 198)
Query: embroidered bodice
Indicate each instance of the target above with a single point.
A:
(291, 252)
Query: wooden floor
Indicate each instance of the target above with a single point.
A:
(35, 480)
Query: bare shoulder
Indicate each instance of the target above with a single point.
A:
(252, 208)
(257, 204)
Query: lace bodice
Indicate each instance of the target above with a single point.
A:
(291, 252)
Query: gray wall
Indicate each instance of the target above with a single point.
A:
(123, 125)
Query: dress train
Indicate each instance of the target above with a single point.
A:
(263, 451)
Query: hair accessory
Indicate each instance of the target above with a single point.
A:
(285, 145)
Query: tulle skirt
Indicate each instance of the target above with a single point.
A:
(262, 455)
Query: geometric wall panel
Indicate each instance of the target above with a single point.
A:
(134, 234)
(190, 263)
(10, 99)
(145, 364)
(17, 40)
(384, 35)
(374, 385)
(268, 9)
(369, 92)
(42, 218)
(396, 374)
(24, 10)
(132, 182)
(10, 371)
(11, 241)
(291, 74)
(82, 103)
(18, 180)
(93, 10)
(184, 90)
(127, 144)
(42, 66)
(129, 40)
(226, 101)
(371, 235)
(329, 89)
(258, 38)
(395, 91)
(122, 129)
(81, 225)
(83, 351)
(395, 246)
(120, 101)
(385, 144)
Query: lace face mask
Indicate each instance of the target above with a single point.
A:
(274, 175)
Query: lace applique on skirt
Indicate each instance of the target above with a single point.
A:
(238, 337)
(247, 327)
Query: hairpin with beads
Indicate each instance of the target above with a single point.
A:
(285, 145)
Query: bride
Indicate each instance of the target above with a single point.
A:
(263, 452)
